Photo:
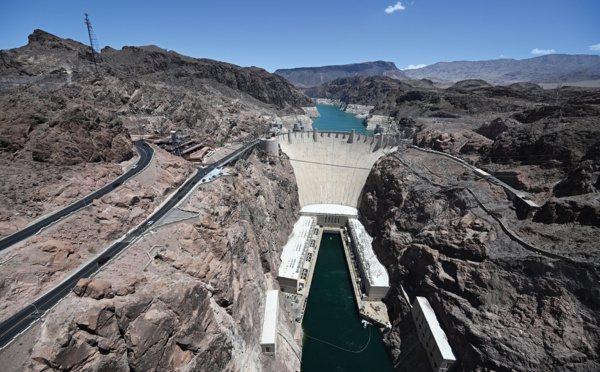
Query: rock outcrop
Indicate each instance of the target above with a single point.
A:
(496, 127)
(501, 306)
(60, 127)
(470, 84)
(579, 181)
(582, 209)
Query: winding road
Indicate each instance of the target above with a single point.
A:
(17, 323)
(32, 229)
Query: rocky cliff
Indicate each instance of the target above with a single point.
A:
(305, 77)
(198, 304)
(503, 306)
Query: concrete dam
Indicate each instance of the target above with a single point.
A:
(332, 167)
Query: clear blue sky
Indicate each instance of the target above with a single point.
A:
(286, 33)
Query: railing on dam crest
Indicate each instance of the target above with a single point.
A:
(380, 140)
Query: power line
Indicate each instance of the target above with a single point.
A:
(341, 348)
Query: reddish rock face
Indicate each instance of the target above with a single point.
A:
(198, 303)
(502, 306)
(458, 143)
(59, 127)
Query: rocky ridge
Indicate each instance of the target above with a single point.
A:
(554, 68)
(152, 90)
(306, 77)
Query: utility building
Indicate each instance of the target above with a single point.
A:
(432, 336)
(297, 255)
(375, 278)
(268, 340)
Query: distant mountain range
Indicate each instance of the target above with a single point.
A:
(306, 77)
(544, 70)
(553, 68)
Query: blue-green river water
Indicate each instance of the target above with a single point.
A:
(334, 119)
(335, 339)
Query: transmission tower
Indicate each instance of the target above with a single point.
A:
(93, 43)
(176, 141)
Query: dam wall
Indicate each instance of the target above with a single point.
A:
(332, 167)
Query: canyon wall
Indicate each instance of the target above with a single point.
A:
(198, 304)
(441, 233)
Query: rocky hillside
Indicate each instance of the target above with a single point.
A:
(305, 77)
(545, 138)
(363, 90)
(61, 127)
(58, 116)
(36, 265)
(503, 306)
(155, 91)
(198, 304)
(554, 68)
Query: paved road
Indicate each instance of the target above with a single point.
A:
(14, 325)
(145, 157)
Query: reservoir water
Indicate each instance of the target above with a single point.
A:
(334, 119)
(335, 339)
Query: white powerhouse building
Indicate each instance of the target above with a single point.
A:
(297, 255)
(432, 336)
(268, 340)
(376, 279)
